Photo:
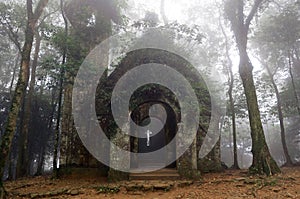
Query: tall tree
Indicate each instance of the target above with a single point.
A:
(6, 141)
(11, 24)
(23, 153)
(23, 160)
(60, 95)
(280, 115)
(276, 37)
(92, 26)
(230, 93)
(263, 163)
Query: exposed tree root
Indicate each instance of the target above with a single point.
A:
(3, 193)
(266, 166)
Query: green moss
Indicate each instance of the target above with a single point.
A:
(108, 189)
(190, 174)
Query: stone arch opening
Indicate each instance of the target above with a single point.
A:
(140, 115)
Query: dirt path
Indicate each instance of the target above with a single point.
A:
(230, 184)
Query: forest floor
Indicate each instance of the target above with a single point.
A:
(229, 184)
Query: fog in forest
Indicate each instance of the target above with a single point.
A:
(206, 31)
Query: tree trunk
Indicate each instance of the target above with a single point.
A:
(293, 82)
(57, 135)
(235, 157)
(231, 100)
(71, 145)
(6, 141)
(16, 101)
(14, 75)
(280, 117)
(23, 160)
(67, 122)
(41, 161)
(263, 163)
(53, 108)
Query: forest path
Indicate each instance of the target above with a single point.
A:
(229, 184)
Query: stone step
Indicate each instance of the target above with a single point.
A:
(153, 185)
(162, 174)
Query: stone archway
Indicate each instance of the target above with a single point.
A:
(187, 163)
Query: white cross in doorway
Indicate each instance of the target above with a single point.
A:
(148, 137)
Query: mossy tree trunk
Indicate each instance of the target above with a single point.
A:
(263, 163)
(85, 38)
(23, 159)
(5, 145)
(14, 74)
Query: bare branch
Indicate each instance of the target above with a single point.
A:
(253, 11)
(12, 35)
(46, 16)
(29, 9)
(39, 9)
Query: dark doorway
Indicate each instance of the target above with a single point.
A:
(156, 141)
(142, 156)
(151, 144)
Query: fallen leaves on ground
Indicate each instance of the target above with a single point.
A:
(229, 184)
